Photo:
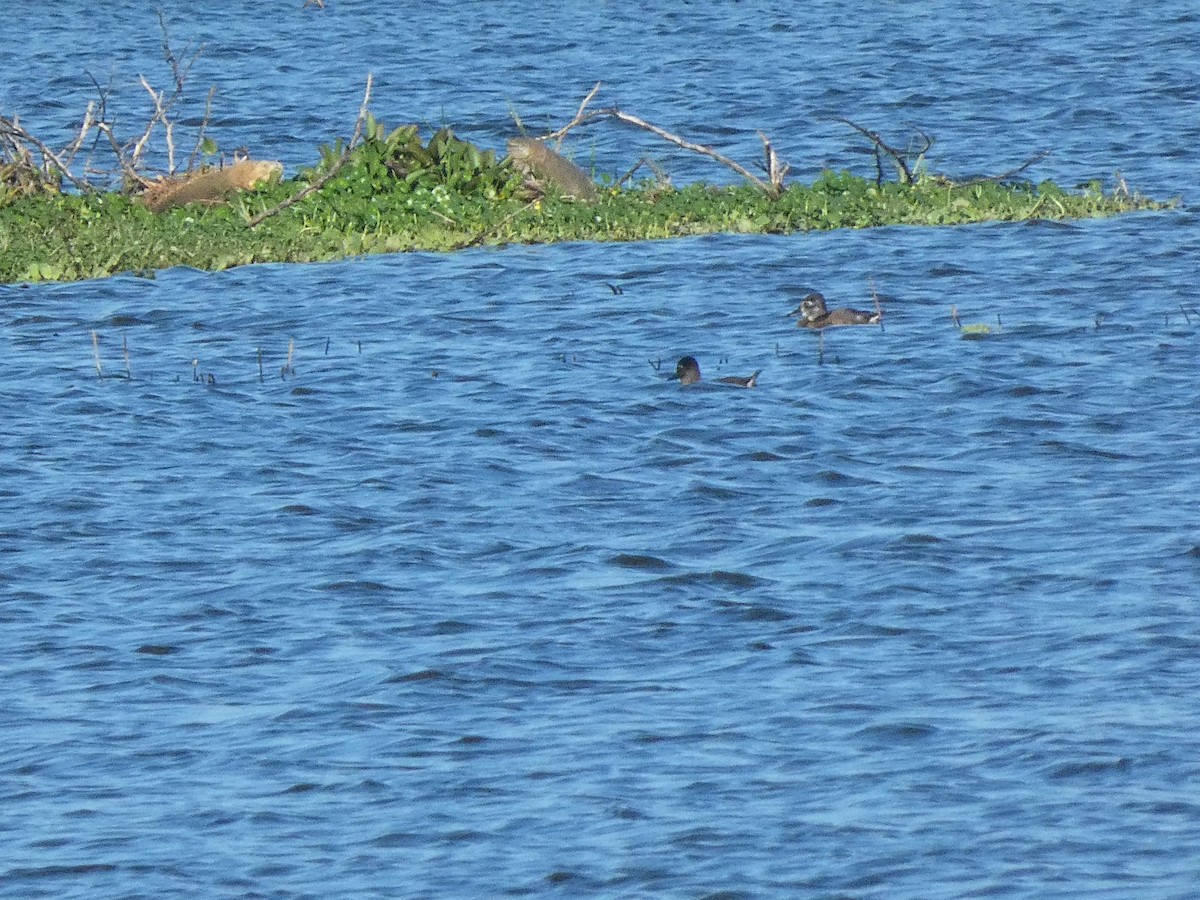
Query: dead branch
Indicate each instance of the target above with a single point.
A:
(882, 148)
(929, 142)
(772, 188)
(620, 116)
(179, 70)
(203, 127)
(163, 103)
(557, 136)
(160, 113)
(16, 137)
(333, 170)
(1011, 173)
(88, 123)
(130, 173)
(128, 155)
(101, 117)
(660, 174)
(775, 172)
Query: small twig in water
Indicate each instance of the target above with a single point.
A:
(287, 366)
(96, 353)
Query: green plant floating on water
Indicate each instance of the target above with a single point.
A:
(976, 331)
(389, 191)
(972, 332)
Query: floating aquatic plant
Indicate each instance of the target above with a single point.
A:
(386, 190)
(974, 331)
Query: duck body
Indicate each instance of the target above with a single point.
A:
(687, 370)
(814, 313)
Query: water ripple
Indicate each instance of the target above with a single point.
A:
(473, 592)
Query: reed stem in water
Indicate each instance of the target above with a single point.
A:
(96, 353)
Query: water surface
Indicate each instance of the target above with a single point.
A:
(472, 600)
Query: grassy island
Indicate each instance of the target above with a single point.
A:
(392, 191)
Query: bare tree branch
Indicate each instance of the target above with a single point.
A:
(1004, 176)
(881, 147)
(775, 171)
(557, 136)
(15, 135)
(333, 170)
(203, 126)
(773, 187)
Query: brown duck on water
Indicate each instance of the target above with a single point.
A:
(687, 370)
(814, 313)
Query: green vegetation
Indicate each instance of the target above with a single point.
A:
(392, 192)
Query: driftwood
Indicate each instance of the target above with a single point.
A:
(905, 170)
(18, 147)
(129, 155)
(212, 186)
(899, 157)
(15, 142)
(775, 170)
(1011, 173)
(660, 174)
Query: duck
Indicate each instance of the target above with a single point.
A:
(814, 313)
(687, 370)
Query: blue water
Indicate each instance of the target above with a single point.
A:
(472, 601)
